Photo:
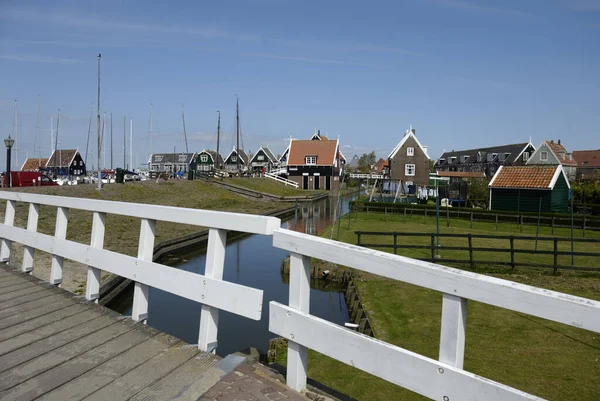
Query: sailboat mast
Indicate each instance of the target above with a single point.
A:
(99, 144)
(111, 143)
(218, 138)
(150, 130)
(37, 134)
(125, 142)
(56, 142)
(16, 131)
(184, 132)
(103, 141)
(51, 135)
(131, 143)
(87, 146)
(237, 132)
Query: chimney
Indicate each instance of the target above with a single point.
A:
(559, 141)
(551, 140)
(414, 131)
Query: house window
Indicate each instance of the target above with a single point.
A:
(203, 158)
(234, 158)
(260, 158)
(310, 160)
(410, 151)
(452, 159)
(158, 158)
(544, 156)
(409, 169)
(525, 156)
(182, 158)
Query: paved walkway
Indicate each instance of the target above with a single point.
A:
(57, 346)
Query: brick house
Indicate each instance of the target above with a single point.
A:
(409, 161)
(588, 164)
(314, 164)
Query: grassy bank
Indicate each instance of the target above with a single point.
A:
(551, 360)
(122, 233)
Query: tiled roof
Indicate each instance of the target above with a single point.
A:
(34, 164)
(559, 150)
(324, 150)
(526, 177)
(380, 165)
(587, 158)
(461, 174)
(514, 150)
(61, 158)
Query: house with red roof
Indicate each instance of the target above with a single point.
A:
(554, 153)
(588, 164)
(315, 163)
(530, 188)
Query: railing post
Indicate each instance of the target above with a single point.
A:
(471, 224)
(447, 215)
(521, 222)
(433, 247)
(452, 338)
(395, 243)
(512, 252)
(358, 239)
(425, 216)
(405, 214)
(32, 223)
(215, 262)
(299, 299)
(470, 250)
(583, 226)
(60, 232)
(9, 219)
(496, 225)
(139, 310)
(93, 278)
(552, 225)
(555, 255)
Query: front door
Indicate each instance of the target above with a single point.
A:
(317, 182)
(328, 183)
(304, 182)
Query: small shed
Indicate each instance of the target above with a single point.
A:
(522, 188)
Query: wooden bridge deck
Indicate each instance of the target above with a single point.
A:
(58, 346)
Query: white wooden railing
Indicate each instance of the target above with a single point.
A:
(208, 289)
(442, 379)
(274, 176)
(363, 176)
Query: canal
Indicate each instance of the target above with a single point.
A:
(253, 262)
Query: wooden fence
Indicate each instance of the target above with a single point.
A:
(472, 261)
(584, 223)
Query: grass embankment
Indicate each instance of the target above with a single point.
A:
(269, 186)
(122, 232)
(551, 360)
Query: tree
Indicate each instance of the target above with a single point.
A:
(366, 162)
(478, 193)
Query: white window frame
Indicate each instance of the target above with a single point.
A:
(525, 156)
(407, 168)
(233, 158)
(158, 158)
(182, 158)
(544, 156)
(410, 151)
(310, 160)
(203, 158)
(260, 158)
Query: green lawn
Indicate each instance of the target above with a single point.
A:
(551, 360)
(269, 186)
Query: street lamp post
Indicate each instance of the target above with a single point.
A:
(8, 142)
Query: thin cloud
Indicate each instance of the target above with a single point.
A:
(474, 7)
(309, 59)
(39, 59)
(72, 20)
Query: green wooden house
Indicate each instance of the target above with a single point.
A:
(523, 188)
(208, 160)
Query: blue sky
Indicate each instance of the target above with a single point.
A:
(463, 73)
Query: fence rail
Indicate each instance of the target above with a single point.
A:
(469, 237)
(443, 379)
(446, 214)
(208, 289)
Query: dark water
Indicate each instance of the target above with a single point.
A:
(253, 262)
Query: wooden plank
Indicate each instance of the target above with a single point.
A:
(9, 219)
(51, 379)
(425, 376)
(186, 382)
(7, 281)
(42, 300)
(137, 379)
(64, 345)
(28, 251)
(16, 287)
(231, 297)
(564, 308)
(19, 293)
(454, 325)
(92, 288)
(60, 231)
(107, 372)
(33, 313)
(139, 310)
(31, 336)
(40, 292)
(207, 218)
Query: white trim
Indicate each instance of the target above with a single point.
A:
(523, 150)
(560, 169)
(494, 179)
(404, 139)
(265, 153)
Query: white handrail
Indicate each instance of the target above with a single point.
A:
(285, 181)
(209, 289)
(443, 379)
